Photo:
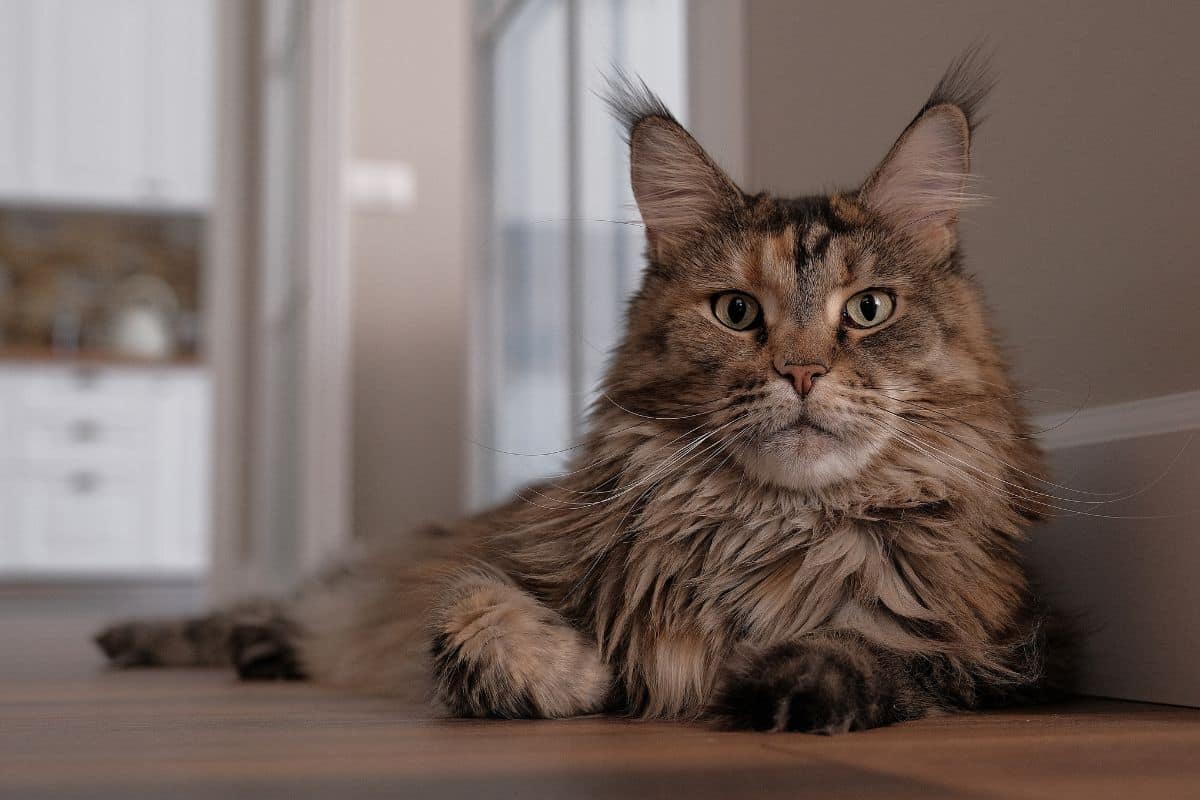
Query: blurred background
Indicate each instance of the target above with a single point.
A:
(279, 273)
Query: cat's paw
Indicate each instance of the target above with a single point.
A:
(818, 687)
(149, 643)
(122, 644)
(152, 643)
(497, 652)
(264, 652)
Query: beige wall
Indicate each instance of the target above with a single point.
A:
(410, 102)
(716, 65)
(1089, 152)
(1086, 252)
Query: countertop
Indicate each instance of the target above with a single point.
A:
(41, 356)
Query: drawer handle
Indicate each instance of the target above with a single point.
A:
(83, 482)
(86, 377)
(85, 430)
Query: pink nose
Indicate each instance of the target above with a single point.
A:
(802, 376)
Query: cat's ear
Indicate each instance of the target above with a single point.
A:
(924, 182)
(680, 190)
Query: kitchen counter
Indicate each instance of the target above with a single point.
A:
(92, 358)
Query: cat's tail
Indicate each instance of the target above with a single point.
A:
(356, 623)
(255, 637)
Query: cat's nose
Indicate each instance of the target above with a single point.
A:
(802, 376)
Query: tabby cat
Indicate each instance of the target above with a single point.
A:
(798, 506)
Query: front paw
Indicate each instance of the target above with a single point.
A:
(823, 687)
(497, 652)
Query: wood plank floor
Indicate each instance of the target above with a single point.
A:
(70, 729)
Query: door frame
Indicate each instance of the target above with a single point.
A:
(243, 550)
(327, 357)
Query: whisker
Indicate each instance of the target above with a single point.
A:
(596, 491)
(999, 460)
(1003, 434)
(929, 449)
(681, 453)
(983, 401)
(605, 434)
(609, 398)
(636, 223)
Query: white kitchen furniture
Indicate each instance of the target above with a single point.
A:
(107, 103)
(103, 468)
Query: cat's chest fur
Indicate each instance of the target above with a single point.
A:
(712, 565)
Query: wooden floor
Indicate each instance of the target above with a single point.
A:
(68, 728)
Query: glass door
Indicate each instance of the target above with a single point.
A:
(562, 248)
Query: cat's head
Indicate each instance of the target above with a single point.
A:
(815, 329)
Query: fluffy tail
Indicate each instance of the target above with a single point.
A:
(357, 624)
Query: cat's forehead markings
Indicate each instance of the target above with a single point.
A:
(837, 260)
(777, 259)
(815, 241)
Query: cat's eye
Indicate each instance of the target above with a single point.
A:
(736, 310)
(869, 309)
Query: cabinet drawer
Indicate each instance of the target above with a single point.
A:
(85, 439)
(84, 413)
(6, 420)
(76, 519)
(70, 390)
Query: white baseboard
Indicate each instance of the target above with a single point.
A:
(1166, 414)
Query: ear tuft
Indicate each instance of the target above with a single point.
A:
(966, 85)
(680, 191)
(631, 101)
(924, 182)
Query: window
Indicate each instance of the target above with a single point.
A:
(562, 247)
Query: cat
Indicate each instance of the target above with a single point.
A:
(799, 503)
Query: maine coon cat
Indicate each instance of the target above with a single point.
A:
(798, 505)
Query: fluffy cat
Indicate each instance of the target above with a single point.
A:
(798, 505)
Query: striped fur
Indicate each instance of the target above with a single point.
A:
(721, 547)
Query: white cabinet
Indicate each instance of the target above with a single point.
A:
(10, 538)
(103, 469)
(107, 103)
(182, 123)
(78, 519)
(16, 96)
(90, 108)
